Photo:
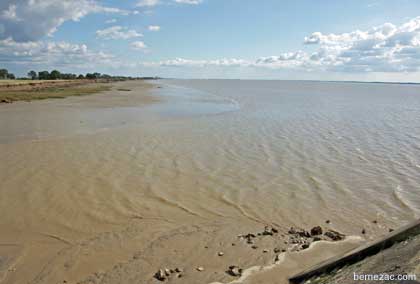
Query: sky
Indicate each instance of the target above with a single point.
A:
(367, 40)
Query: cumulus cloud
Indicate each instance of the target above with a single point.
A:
(50, 54)
(117, 32)
(191, 2)
(385, 48)
(138, 45)
(147, 3)
(29, 20)
(154, 28)
(182, 62)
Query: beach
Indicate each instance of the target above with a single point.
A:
(197, 176)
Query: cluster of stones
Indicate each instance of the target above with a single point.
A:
(299, 239)
(166, 273)
(302, 239)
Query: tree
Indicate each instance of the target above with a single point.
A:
(55, 75)
(44, 75)
(90, 76)
(80, 76)
(11, 76)
(32, 74)
(3, 73)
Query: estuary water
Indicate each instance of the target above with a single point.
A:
(88, 184)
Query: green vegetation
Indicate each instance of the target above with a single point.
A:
(11, 95)
(58, 75)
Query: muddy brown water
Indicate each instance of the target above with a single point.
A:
(109, 188)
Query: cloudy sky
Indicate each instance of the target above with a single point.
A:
(265, 39)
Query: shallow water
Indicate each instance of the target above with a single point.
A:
(75, 172)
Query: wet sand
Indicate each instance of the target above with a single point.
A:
(109, 188)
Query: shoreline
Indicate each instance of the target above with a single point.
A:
(54, 89)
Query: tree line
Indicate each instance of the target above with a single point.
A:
(57, 75)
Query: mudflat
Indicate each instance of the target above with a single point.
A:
(203, 178)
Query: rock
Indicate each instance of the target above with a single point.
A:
(254, 247)
(160, 275)
(375, 222)
(283, 250)
(220, 253)
(276, 250)
(167, 272)
(390, 230)
(179, 270)
(179, 275)
(315, 231)
(233, 244)
(305, 246)
(277, 258)
(299, 232)
(234, 271)
(200, 268)
(269, 231)
(328, 221)
(265, 250)
(363, 231)
(316, 239)
(5, 101)
(334, 235)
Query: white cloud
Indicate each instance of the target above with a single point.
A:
(117, 32)
(111, 21)
(383, 49)
(28, 20)
(191, 2)
(48, 54)
(154, 28)
(182, 62)
(148, 3)
(138, 45)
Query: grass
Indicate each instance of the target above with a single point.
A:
(28, 82)
(51, 92)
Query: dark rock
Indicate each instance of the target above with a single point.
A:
(269, 231)
(305, 246)
(334, 235)
(160, 275)
(390, 230)
(316, 231)
(179, 270)
(254, 247)
(363, 231)
(316, 239)
(375, 222)
(234, 271)
(276, 250)
(328, 221)
(265, 250)
(5, 101)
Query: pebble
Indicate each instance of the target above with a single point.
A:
(220, 253)
(200, 268)
(235, 271)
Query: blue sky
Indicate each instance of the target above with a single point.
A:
(266, 39)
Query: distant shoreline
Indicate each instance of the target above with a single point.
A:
(29, 90)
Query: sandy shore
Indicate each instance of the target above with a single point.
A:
(93, 192)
